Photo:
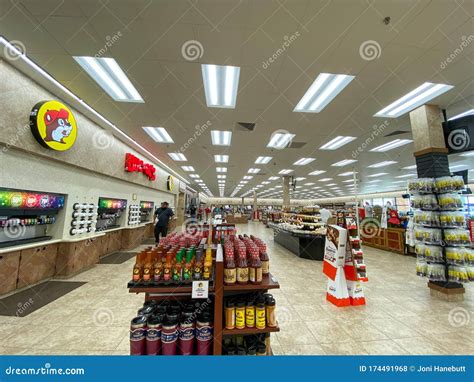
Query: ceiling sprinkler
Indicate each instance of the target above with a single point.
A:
(387, 20)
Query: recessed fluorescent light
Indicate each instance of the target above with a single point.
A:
(253, 170)
(221, 158)
(317, 172)
(421, 95)
(325, 179)
(337, 142)
(266, 182)
(221, 138)
(280, 140)
(158, 134)
(405, 176)
(344, 162)
(263, 160)
(330, 184)
(220, 85)
(194, 176)
(374, 181)
(221, 181)
(457, 166)
(347, 173)
(187, 168)
(309, 184)
(285, 171)
(322, 91)
(348, 181)
(179, 157)
(221, 169)
(221, 176)
(274, 178)
(391, 145)
(303, 161)
(247, 177)
(110, 77)
(412, 167)
(382, 164)
(300, 178)
(377, 174)
(468, 154)
(243, 182)
(466, 113)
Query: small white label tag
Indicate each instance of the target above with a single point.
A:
(200, 289)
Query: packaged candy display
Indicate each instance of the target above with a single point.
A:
(458, 274)
(450, 202)
(452, 219)
(172, 328)
(435, 272)
(421, 268)
(470, 273)
(456, 255)
(428, 235)
(430, 253)
(456, 237)
(427, 218)
(449, 184)
(421, 185)
(424, 202)
(469, 256)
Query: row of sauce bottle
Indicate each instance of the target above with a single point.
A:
(247, 345)
(173, 264)
(251, 311)
(245, 260)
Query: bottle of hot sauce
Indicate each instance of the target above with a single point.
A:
(167, 267)
(242, 270)
(265, 263)
(197, 269)
(178, 266)
(230, 271)
(255, 270)
(207, 270)
(138, 268)
(187, 269)
(147, 268)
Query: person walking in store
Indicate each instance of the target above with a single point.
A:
(162, 218)
(325, 215)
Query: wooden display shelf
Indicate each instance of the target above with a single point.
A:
(171, 289)
(247, 331)
(268, 282)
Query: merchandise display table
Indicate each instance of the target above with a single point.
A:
(306, 246)
(389, 239)
(237, 219)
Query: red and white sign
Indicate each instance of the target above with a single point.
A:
(134, 164)
(334, 250)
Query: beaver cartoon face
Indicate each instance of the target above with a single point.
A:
(57, 125)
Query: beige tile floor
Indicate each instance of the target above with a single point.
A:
(400, 316)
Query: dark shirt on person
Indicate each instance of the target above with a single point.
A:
(163, 215)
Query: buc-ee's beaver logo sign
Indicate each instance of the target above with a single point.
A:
(53, 125)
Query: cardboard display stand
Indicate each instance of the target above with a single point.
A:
(342, 269)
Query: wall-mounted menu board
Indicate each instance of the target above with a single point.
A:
(20, 199)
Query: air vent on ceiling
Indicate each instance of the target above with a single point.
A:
(296, 145)
(245, 126)
(397, 132)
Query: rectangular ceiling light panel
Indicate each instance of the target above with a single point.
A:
(344, 162)
(158, 134)
(337, 142)
(280, 140)
(304, 161)
(263, 160)
(179, 157)
(391, 145)
(221, 138)
(322, 91)
(220, 85)
(417, 97)
(221, 158)
(110, 77)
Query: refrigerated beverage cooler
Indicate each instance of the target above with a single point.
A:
(146, 211)
(109, 213)
(25, 216)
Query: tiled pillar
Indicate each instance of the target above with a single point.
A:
(431, 157)
(286, 193)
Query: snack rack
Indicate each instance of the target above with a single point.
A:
(434, 228)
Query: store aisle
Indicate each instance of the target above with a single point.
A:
(400, 316)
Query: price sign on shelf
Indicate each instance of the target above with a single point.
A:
(200, 289)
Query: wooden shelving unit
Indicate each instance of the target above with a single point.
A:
(218, 290)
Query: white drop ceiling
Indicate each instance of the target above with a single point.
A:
(323, 36)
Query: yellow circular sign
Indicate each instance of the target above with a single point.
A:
(53, 125)
(170, 183)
